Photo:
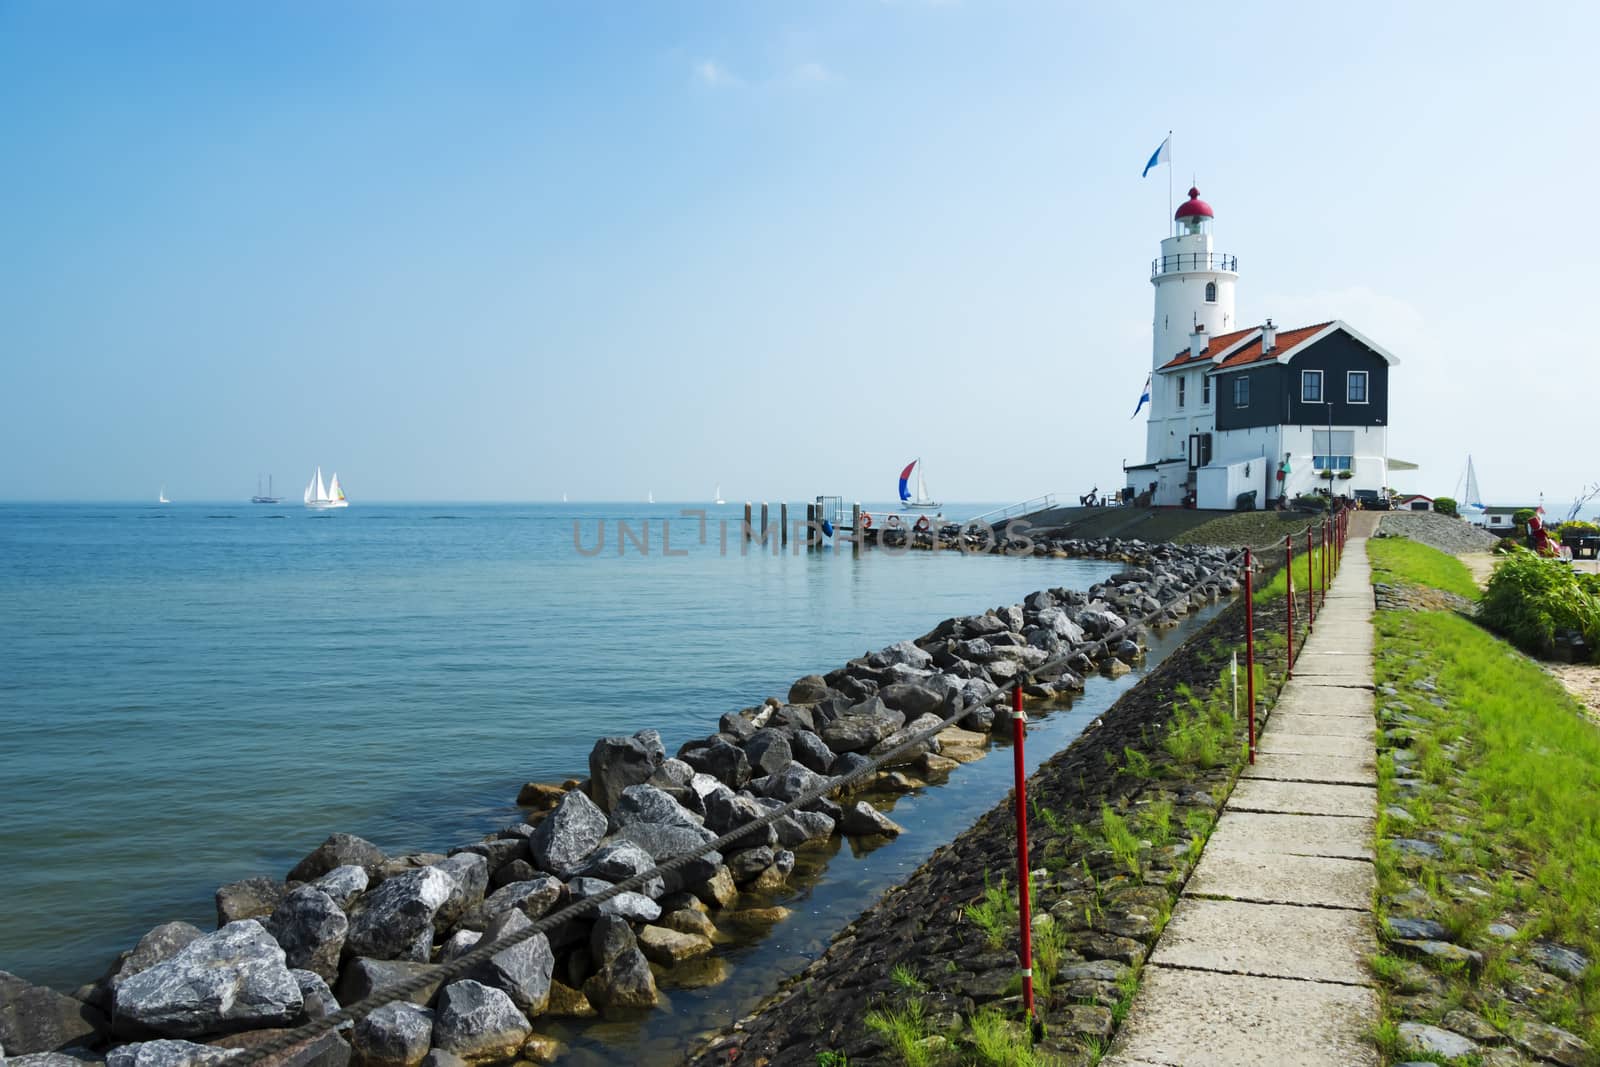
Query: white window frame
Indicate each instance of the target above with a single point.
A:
(1241, 385)
(1366, 387)
(1306, 377)
(1205, 390)
(1211, 292)
(1181, 390)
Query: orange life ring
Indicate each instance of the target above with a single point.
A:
(894, 522)
(922, 524)
(866, 521)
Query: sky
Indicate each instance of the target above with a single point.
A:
(506, 251)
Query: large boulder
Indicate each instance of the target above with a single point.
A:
(328, 1050)
(233, 979)
(811, 689)
(311, 929)
(669, 842)
(611, 937)
(912, 698)
(721, 759)
(862, 819)
(252, 898)
(161, 943)
(343, 884)
(727, 810)
(316, 998)
(36, 1019)
(396, 1035)
(635, 907)
(566, 837)
(619, 861)
(648, 804)
(1056, 621)
(812, 751)
(793, 780)
(470, 873)
(623, 986)
(168, 1053)
(618, 762)
(904, 653)
(533, 897)
(800, 827)
(394, 918)
(668, 948)
(923, 724)
(521, 971)
(339, 850)
(363, 977)
(863, 726)
(768, 751)
(476, 1022)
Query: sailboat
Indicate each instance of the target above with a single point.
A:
(650, 496)
(265, 498)
(920, 502)
(1471, 502)
(717, 498)
(563, 498)
(320, 497)
(161, 497)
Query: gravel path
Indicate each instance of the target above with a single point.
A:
(1441, 531)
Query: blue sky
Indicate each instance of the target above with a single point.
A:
(504, 251)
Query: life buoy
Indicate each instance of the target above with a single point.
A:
(866, 521)
(894, 522)
(922, 524)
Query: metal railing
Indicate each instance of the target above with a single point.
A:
(1011, 511)
(1193, 261)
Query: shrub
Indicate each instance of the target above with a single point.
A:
(1310, 502)
(1577, 526)
(1445, 505)
(1530, 600)
(1507, 544)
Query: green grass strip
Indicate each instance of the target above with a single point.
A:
(1395, 559)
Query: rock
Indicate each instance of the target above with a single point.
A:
(648, 804)
(513, 872)
(718, 891)
(233, 979)
(903, 653)
(611, 937)
(343, 884)
(811, 751)
(310, 928)
(745, 865)
(36, 1019)
(1471, 1026)
(811, 689)
(624, 985)
(363, 977)
(727, 810)
(461, 942)
(862, 726)
(161, 943)
(862, 818)
(476, 1022)
(563, 841)
(167, 1053)
(670, 842)
(539, 796)
(1444, 952)
(253, 898)
(339, 850)
(671, 947)
(768, 751)
(618, 762)
(440, 1058)
(633, 906)
(801, 827)
(470, 873)
(325, 1050)
(534, 898)
(499, 851)
(1559, 959)
(978, 719)
(793, 780)
(1417, 930)
(316, 999)
(924, 724)
(394, 1035)
(912, 698)
(568, 1003)
(618, 861)
(1407, 846)
(1057, 622)
(721, 759)
(690, 921)
(391, 919)
(1553, 1043)
(1419, 1037)
(521, 971)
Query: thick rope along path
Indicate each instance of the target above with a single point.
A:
(443, 973)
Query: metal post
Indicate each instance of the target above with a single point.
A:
(1025, 904)
(856, 533)
(783, 523)
(1325, 523)
(1311, 587)
(1288, 573)
(1250, 652)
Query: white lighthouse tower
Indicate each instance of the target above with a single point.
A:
(1194, 294)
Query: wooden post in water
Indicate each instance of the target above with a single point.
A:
(747, 520)
(855, 528)
(783, 523)
(811, 517)
(763, 525)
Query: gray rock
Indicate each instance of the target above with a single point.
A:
(391, 919)
(863, 726)
(316, 999)
(1444, 952)
(476, 1022)
(903, 653)
(811, 689)
(470, 873)
(440, 1058)
(1417, 930)
(311, 929)
(1407, 846)
(1420, 1037)
(617, 861)
(161, 943)
(252, 898)
(634, 906)
(923, 724)
(565, 838)
(521, 971)
(737, 725)
(1057, 622)
(1099, 621)
(803, 826)
(233, 979)
(669, 842)
(363, 977)
(1555, 1044)
(499, 851)
(862, 819)
(811, 751)
(618, 762)
(721, 759)
(339, 850)
(1559, 959)
(793, 780)
(168, 1053)
(794, 719)
(36, 1019)
(768, 751)
(69, 1058)
(648, 804)
(460, 943)
(343, 884)
(515, 871)
(912, 699)
(394, 1035)
(611, 937)
(746, 864)
(727, 810)
(672, 772)
(534, 898)
(622, 986)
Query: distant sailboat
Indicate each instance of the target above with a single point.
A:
(267, 497)
(320, 497)
(563, 498)
(161, 497)
(920, 502)
(718, 498)
(650, 496)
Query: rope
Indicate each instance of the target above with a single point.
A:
(443, 973)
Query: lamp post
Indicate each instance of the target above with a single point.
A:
(1329, 446)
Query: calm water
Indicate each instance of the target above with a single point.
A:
(199, 693)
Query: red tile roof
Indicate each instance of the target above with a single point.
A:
(1249, 351)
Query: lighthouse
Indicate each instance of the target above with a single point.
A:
(1194, 287)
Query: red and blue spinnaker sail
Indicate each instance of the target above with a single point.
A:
(905, 475)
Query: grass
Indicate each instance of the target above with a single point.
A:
(995, 913)
(906, 1029)
(1395, 559)
(1278, 584)
(906, 978)
(1246, 528)
(998, 1042)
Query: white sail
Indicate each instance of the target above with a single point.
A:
(922, 486)
(1474, 495)
(334, 492)
(322, 490)
(718, 497)
(310, 490)
(650, 496)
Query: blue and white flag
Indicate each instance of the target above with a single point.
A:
(1144, 397)
(1162, 155)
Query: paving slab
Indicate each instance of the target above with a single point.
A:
(1272, 940)
(1204, 1019)
(1281, 878)
(1311, 722)
(1302, 694)
(1303, 798)
(1293, 835)
(1353, 670)
(1295, 767)
(1315, 745)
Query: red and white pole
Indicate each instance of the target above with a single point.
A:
(1311, 587)
(1250, 652)
(1025, 905)
(1288, 574)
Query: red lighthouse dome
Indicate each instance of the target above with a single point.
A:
(1194, 207)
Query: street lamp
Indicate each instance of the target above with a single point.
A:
(1329, 447)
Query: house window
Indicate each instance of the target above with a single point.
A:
(1180, 392)
(1241, 392)
(1356, 387)
(1311, 387)
(1332, 450)
(1205, 389)
(1211, 292)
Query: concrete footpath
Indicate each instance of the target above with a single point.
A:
(1263, 960)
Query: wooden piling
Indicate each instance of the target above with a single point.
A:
(783, 524)
(747, 520)
(763, 524)
(855, 528)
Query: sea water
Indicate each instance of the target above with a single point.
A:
(195, 694)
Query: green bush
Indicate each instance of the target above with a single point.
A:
(1577, 526)
(1310, 502)
(1445, 505)
(1530, 599)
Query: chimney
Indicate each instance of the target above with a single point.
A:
(1269, 337)
(1197, 341)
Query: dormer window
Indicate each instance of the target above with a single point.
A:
(1211, 292)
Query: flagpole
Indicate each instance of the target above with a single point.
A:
(1170, 228)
